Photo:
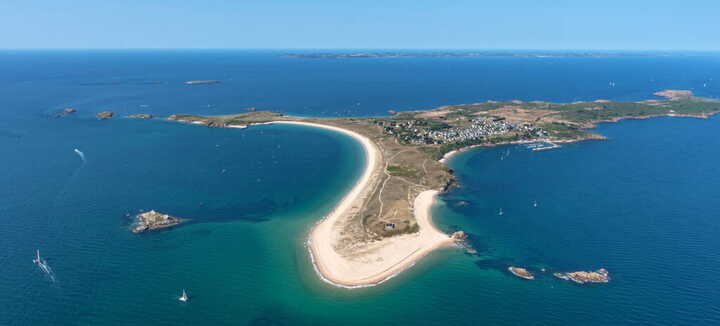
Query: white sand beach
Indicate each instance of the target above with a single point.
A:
(376, 261)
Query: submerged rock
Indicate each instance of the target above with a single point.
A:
(581, 277)
(65, 112)
(153, 220)
(105, 115)
(521, 273)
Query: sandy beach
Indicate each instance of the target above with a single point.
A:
(378, 261)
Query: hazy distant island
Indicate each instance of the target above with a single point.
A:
(383, 225)
(522, 54)
(201, 82)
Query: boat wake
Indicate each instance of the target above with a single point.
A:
(81, 154)
(44, 267)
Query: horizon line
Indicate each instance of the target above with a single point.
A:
(361, 49)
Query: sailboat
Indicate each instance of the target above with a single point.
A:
(37, 260)
(184, 297)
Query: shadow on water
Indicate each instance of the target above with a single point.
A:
(271, 316)
(264, 321)
(255, 212)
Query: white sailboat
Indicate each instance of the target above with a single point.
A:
(184, 297)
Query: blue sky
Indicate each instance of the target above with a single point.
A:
(478, 24)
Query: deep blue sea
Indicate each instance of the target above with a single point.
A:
(644, 204)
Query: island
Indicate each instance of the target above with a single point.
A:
(599, 276)
(141, 116)
(153, 220)
(521, 273)
(104, 115)
(383, 225)
(201, 82)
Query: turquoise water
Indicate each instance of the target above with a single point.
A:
(642, 204)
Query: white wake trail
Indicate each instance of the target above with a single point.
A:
(45, 268)
(81, 154)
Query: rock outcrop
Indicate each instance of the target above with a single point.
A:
(105, 115)
(65, 112)
(521, 273)
(153, 220)
(459, 236)
(674, 95)
(581, 277)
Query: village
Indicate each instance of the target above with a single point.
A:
(426, 132)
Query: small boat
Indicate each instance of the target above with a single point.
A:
(37, 260)
(184, 297)
(501, 212)
(534, 203)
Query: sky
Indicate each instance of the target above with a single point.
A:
(367, 24)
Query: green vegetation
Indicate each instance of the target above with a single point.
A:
(402, 171)
(564, 130)
(591, 112)
(449, 147)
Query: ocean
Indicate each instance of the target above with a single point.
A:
(642, 204)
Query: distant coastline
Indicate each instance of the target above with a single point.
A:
(435, 54)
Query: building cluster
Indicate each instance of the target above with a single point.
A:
(422, 132)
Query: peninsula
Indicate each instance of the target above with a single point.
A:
(383, 225)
